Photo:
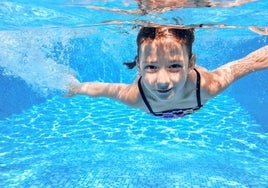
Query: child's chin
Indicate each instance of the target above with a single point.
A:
(166, 96)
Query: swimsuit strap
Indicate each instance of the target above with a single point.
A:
(198, 83)
(145, 99)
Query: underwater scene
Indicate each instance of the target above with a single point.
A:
(50, 140)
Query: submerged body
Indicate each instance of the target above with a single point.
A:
(168, 75)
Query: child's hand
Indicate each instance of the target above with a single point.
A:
(73, 87)
(261, 31)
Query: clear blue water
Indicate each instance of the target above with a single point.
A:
(50, 141)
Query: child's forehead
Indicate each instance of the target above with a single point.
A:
(170, 41)
(167, 50)
(169, 44)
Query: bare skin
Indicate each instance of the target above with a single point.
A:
(261, 31)
(146, 6)
(168, 79)
(164, 5)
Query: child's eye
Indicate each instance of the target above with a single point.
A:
(175, 67)
(150, 68)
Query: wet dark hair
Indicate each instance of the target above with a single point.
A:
(185, 35)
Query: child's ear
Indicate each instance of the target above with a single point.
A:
(192, 61)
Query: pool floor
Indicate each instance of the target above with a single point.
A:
(84, 142)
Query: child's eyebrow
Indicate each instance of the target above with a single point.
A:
(150, 62)
(176, 61)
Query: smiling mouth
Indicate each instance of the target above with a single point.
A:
(164, 91)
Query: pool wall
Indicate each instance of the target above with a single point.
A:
(250, 91)
(16, 95)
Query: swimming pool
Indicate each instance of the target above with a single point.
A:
(51, 141)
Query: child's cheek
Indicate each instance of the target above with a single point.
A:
(150, 79)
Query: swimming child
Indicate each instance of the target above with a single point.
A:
(169, 82)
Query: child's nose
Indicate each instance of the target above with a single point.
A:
(163, 79)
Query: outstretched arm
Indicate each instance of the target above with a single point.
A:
(225, 75)
(122, 92)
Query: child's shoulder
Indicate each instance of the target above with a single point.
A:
(130, 94)
(208, 83)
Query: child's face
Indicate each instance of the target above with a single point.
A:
(164, 66)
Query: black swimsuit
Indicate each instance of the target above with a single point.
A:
(176, 112)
